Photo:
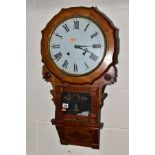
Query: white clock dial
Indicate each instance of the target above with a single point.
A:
(77, 46)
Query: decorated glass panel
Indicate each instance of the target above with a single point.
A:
(77, 103)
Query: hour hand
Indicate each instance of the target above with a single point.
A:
(84, 49)
(79, 47)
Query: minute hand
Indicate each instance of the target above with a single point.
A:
(79, 46)
(93, 46)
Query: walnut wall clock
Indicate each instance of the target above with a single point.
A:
(78, 50)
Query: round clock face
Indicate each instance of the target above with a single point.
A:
(77, 46)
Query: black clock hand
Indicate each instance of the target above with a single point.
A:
(85, 50)
(93, 46)
(79, 46)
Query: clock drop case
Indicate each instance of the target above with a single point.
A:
(79, 48)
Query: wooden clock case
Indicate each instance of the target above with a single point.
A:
(78, 129)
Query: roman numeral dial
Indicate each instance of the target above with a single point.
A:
(66, 28)
(86, 26)
(55, 46)
(58, 35)
(75, 68)
(77, 46)
(65, 64)
(76, 24)
(87, 67)
(93, 57)
(58, 56)
(93, 35)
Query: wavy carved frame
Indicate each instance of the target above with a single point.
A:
(110, 35)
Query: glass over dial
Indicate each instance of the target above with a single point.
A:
(77, 46)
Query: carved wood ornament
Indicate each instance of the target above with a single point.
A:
(78, 95)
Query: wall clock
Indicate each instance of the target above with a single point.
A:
(78, 48)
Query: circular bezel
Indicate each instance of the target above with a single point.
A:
(65, 72)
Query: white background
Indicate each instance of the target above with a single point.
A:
(42, 137)
(13, 78)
